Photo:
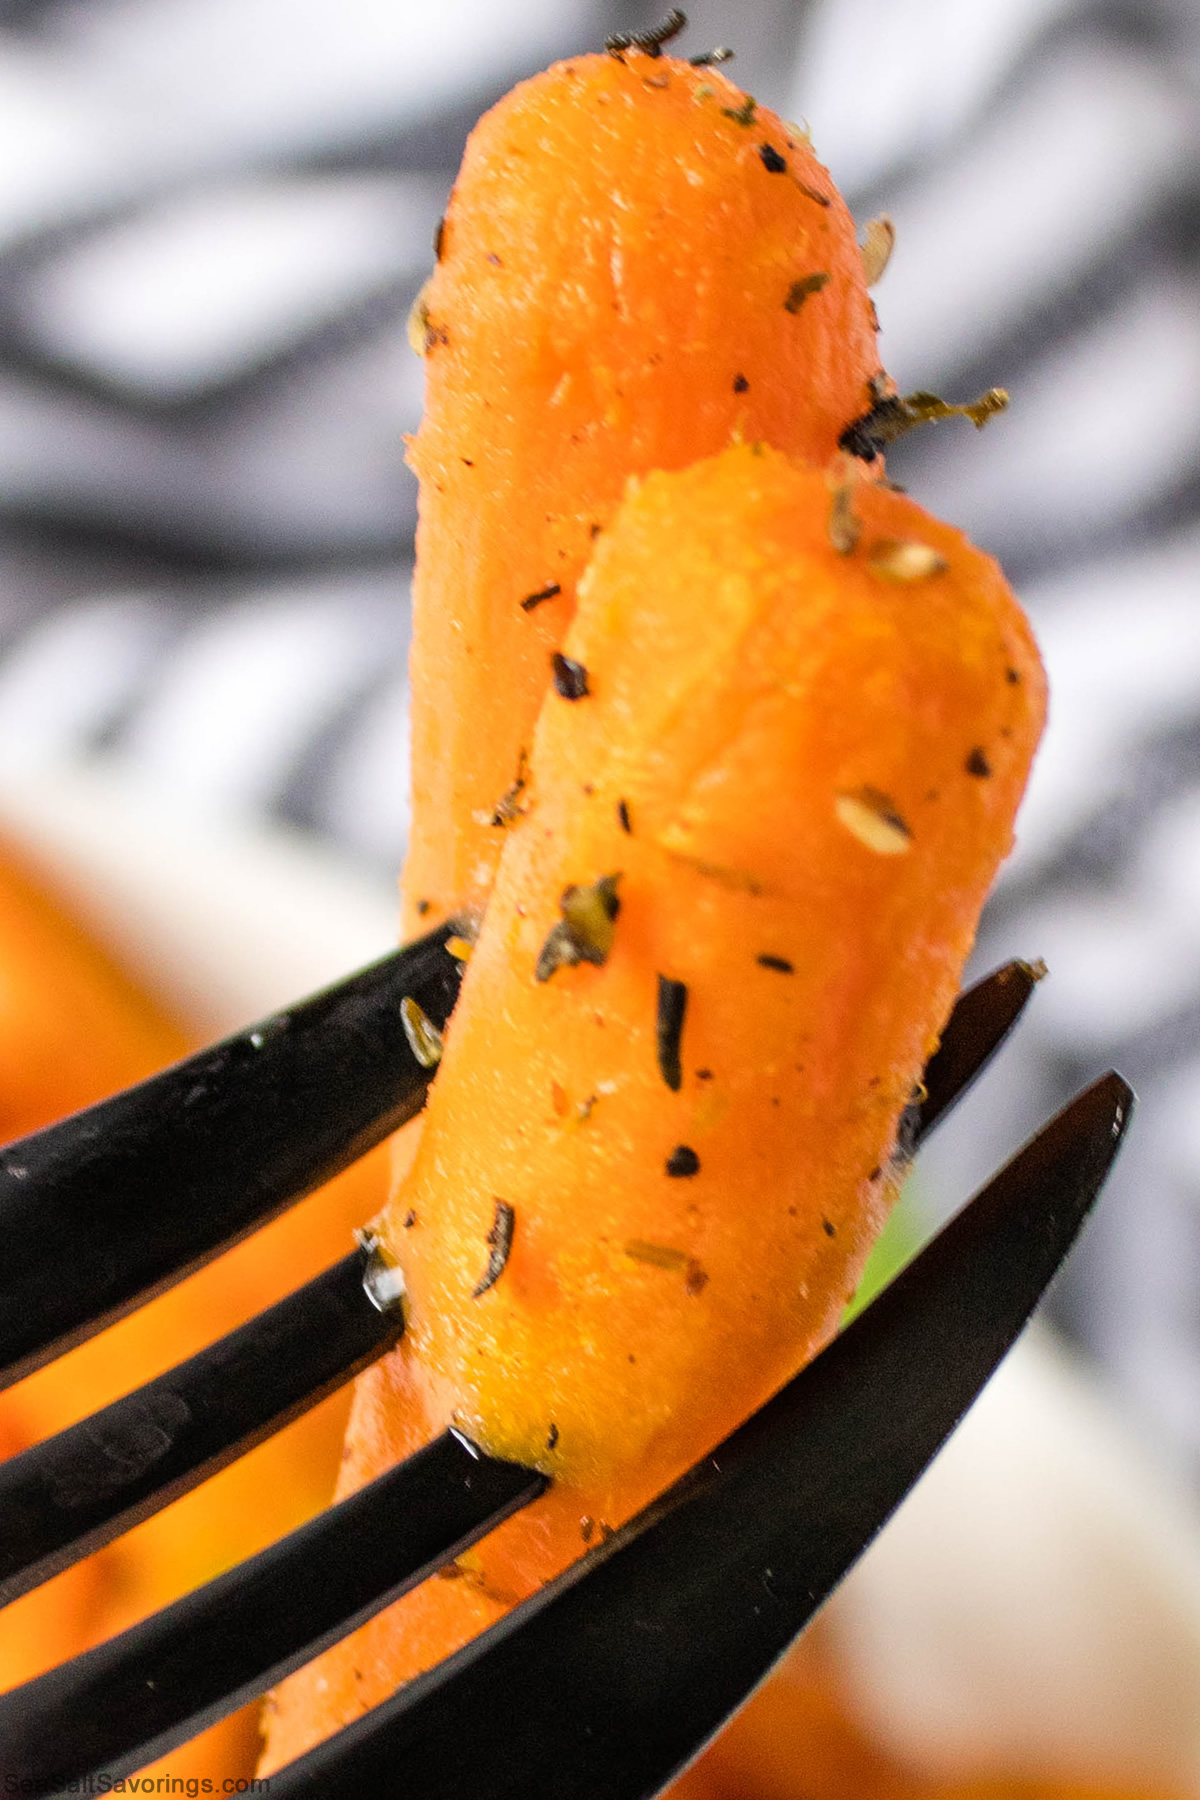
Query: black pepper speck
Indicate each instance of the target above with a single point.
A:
(683, 1161)
(570, 677)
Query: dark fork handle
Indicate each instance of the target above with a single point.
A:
(115, 1204)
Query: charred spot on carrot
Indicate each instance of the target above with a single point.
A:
(499, 1241)
(740, 384)
(977, 764)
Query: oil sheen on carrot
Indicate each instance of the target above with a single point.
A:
(637, 267)
(797, 768)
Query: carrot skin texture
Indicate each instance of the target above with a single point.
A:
(747, 681)
(611, 298)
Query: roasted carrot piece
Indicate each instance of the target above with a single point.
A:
(74, 1027)
(722, 942)
(637, 267)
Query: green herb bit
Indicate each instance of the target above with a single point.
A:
(586, 930)
(744, 114)
(799, 291)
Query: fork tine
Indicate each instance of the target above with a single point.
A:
(119, 1202)
(68, 1496)
(982, 1019)
(632, 1670)
(613, 1677)
(135, 1697)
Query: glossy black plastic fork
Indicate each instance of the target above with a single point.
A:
(612, 1677)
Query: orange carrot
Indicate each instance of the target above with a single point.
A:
(637, 267)
(74, 1027)
(764, 808)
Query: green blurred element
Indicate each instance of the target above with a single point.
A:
(906, 1230)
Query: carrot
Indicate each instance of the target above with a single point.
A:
(637, 267)
(763, 813)
(74, 1027)
(797, 1738)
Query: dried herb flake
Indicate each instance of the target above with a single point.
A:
(743, 114)
(499, 1239)
(424, 1038)
(779, 963)
(799, 291)
(875, 820)
(891, 415)
(843, 527)
(672, 1007)
(651, 41)
(683, 1161)
(879, 238)
(551, 589)
(570, 677)
(772, 162)
(586, 930)
(905, 560)
(508, 808)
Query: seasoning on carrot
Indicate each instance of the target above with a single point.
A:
(610, 299)
(724, 635)
(672, 1010)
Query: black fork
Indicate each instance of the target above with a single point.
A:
(632, 1659)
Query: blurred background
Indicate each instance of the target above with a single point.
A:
(214, 215)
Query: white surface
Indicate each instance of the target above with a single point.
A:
(197, 291)
(227, 924)
(1035, 1604)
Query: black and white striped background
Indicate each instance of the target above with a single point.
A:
(214, 215)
